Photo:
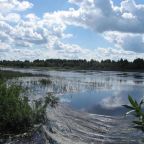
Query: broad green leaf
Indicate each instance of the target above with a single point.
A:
(132, 101)
(128, 107)
(137, 105)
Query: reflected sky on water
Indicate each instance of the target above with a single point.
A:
(101, 92)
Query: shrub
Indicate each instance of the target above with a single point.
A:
(137, 110)
(16, 114)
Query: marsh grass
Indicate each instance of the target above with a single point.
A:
(45, 81)
(17, 115)
(15, 112)
(4, 75)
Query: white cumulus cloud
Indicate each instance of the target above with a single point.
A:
(26, 34)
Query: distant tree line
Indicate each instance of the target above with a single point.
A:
(122, 64)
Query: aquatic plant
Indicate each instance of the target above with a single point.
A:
(45, 81)
(39, 107)
(136, 109)
(4, 75)
(17, 114)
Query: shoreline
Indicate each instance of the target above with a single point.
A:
(68, 126)
(70, 69)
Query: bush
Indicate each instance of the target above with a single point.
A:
(16, 114)
(137, 110)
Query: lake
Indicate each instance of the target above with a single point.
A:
(96, 92)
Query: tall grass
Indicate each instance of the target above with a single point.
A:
(45, 81)
(17, 115)
(11, 74)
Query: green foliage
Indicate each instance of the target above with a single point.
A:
(137, 110)
(122, 64)
(16, 114)
(4, 75)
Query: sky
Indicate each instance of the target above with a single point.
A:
(71, 29)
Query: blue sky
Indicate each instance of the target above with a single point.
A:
(42, 6)
(71, 29)
(87, 38)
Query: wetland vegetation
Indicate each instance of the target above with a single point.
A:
(4, 75)
(45, 81)
(136, 108)
(87, 92)
(19, 114)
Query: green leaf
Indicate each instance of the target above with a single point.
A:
(128, 107)
(132, 101)
(137, 105)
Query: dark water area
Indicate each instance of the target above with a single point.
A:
(96, 92)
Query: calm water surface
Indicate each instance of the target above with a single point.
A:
(100, 92)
